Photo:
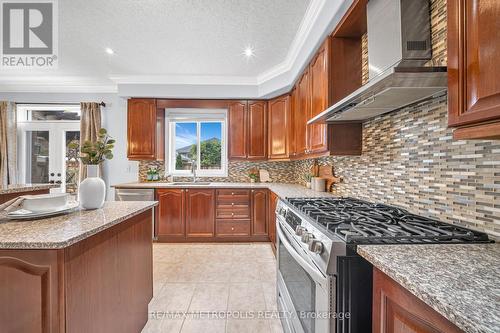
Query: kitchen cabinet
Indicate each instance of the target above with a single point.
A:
(237, 141)
(279, 120)
(273, 202)
(293, 124)
(474, 69)
(248, 130)
(257, 130)
(301, 113)
(200, 217)
(170, 213)
(145, 130)
(259, 212)
(396, 310)
(320, 97)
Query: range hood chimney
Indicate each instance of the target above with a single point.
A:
(399, 47)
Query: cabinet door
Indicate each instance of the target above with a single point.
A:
(143, 126)
(259, 212)
(170, 213)
(301, 113)
(200, 217)
(271, 221)
(396, 310)
(257, 130)
(279, 124)
(237, 143)
(474, 68)
(319, 100)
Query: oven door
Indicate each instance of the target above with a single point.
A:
(303, 290)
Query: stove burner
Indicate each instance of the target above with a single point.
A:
(361, 222)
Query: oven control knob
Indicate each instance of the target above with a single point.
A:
(307, 237)
(316, 246)
(299, 231)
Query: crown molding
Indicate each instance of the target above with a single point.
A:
(319, 20)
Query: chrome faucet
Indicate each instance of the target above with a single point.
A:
(193, 170)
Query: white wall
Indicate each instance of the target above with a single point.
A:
(119, 169)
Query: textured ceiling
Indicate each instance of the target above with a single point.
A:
(182, 37)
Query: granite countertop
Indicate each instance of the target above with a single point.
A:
(461, 282)
(64, 230)
(25, 188)
(282, 190)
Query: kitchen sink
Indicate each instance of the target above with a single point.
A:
(191, 183)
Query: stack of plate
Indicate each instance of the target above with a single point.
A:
(43, 205)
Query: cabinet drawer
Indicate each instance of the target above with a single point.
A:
(233, 228)
(233, 212)
(233, 196)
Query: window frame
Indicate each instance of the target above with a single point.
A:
(174, 116)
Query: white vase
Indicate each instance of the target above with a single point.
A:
(92, 190)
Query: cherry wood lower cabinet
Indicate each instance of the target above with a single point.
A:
(100, 284)
(212, 215)
(396, 310)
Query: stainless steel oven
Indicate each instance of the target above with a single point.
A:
(304, 290)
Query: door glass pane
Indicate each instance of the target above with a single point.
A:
(300, 286)
(210, 145)
(185, 145)
(37, 156)
(52, 115)
(71, 162)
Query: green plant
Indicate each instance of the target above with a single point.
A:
(94, 153)
(254, 174)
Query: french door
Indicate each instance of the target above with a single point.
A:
(44, 156)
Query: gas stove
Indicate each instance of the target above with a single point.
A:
(319, 269)
(361, 222)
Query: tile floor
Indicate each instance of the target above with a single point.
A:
(213, 288)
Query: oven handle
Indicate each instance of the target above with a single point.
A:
(317, 276)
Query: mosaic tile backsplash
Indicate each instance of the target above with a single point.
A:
(410, 160)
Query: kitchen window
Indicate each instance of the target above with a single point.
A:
(197, 138)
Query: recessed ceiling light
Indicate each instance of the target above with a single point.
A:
(249, 52)
(109, 51)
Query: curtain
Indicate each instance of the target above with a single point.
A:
(90, 124)
(8, 143)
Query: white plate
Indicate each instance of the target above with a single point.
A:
(23, 214)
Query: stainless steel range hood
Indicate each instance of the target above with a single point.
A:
(399, 46)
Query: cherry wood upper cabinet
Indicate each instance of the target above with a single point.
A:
(396, 310)
(145, 130)
(200, 212)
(170, 213)
(302, 111)
(474, 68)
(237, 143)
(259, 212)
(320, 95)
(257, 130)
(279, 116)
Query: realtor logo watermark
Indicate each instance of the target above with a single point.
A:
(29, 34)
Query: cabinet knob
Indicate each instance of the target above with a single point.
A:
(232, 193)
(187, 190)
(232, 203)
(253, 191)
(232, 228)
(232, 214)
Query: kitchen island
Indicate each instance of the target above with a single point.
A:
(88, 271)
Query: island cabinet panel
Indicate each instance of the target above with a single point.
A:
(474, 68)
(396, 310)
(259, 212)
(319, 71)
(237, 130)
(145, 130)
(257, 130)
(200, 214)
(170, 221)
(29, 294)
(279, 120)
(109, 279)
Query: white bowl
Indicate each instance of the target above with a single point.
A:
(45, 202)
